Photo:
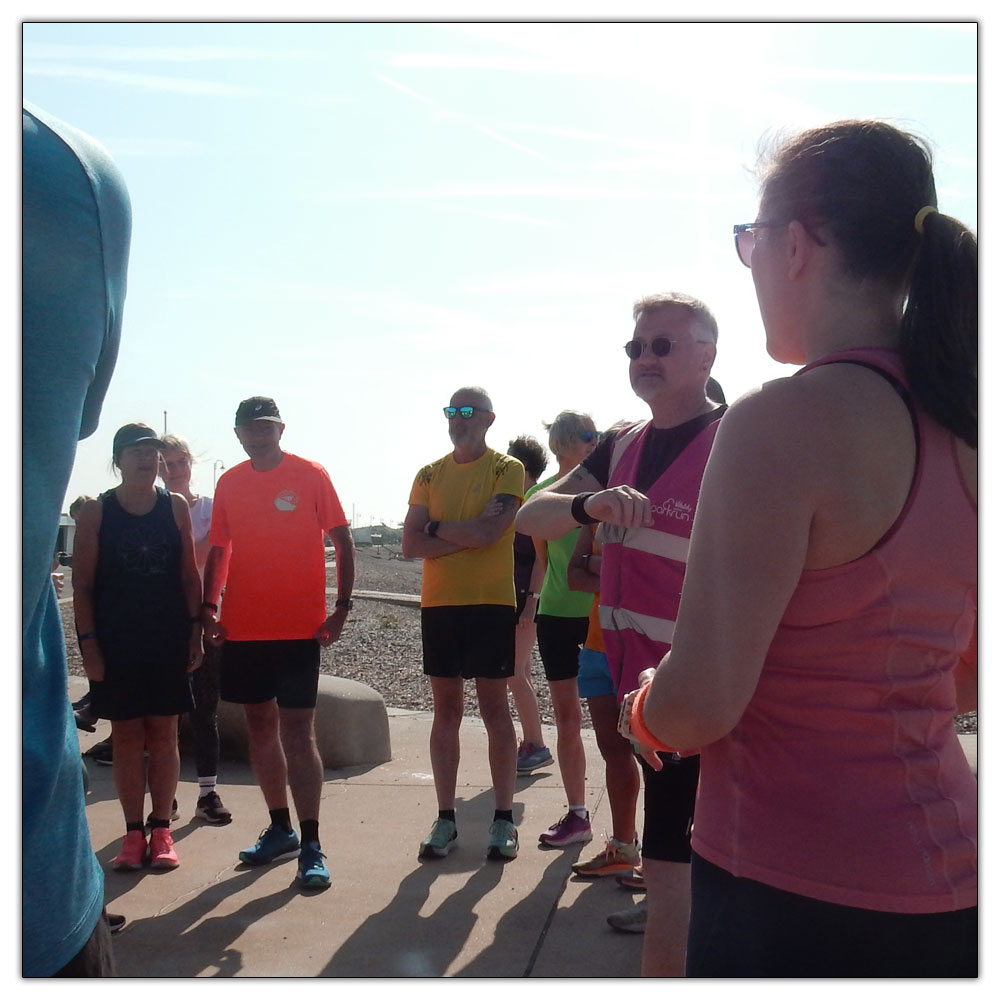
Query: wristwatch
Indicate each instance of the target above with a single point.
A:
(344, 602)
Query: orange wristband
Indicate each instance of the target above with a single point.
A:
(639, 730)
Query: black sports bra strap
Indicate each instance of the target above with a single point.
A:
(901, 390)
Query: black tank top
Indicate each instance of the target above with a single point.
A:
(140, 610)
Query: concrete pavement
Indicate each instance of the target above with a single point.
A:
(387, 913)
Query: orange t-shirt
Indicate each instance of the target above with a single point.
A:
(275, 522)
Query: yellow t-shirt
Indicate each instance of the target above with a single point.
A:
(459, 492)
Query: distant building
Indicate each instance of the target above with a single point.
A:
(377, 534)
(67, 531)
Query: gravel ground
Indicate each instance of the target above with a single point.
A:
(380, 645)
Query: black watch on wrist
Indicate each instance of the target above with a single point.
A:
(344, 602)
(432, 528)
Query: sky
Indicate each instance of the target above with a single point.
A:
(358, 218)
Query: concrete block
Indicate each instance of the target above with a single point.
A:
(352, 725)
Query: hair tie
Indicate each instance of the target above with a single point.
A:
(918, 219)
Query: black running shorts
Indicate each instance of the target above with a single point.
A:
(559, 642)
(284, 669)
(668, 804)
(469, 640)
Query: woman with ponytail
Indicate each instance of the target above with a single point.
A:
(826, 632)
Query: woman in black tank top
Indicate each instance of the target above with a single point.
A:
(136, 598)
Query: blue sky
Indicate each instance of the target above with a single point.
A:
(356, 219)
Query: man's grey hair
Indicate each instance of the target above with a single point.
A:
(475, 390)
(699, 312)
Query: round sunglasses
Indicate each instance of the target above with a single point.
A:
(660, 346)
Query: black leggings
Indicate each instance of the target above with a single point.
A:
(742, 929)
(204, 720)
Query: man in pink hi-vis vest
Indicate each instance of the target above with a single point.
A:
(642, 485)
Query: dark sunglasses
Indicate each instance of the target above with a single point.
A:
(465, 412)
(660, 346)
(587, 436)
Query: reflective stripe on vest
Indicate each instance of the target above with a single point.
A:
(656, 543)
(617, 619)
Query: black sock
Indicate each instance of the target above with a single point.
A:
(154, 823)
(507, 814)
(282, 818)
(130, 827)
(446, 814)
(310, 831)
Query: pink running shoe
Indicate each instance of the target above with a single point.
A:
(161, 849)
(133, 853)
(571, 829)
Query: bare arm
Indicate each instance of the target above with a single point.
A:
(486, 529)
(216, 569)
(417, 544)
(583, 572)
(548, 513)
(343, 544)
(190, 577)
(534, 587)
(201, 550)
(85, 549)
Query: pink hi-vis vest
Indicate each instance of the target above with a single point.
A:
(642, 569)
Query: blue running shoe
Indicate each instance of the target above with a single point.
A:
(313, 873)
(274, 843)
(530, 757)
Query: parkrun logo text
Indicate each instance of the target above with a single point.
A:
(674, 508)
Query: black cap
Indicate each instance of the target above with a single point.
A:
(135, 434)
(257, 408)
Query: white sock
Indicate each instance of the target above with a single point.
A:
(206, 785)
(581, 811)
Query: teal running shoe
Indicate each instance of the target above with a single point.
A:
(274, 843)
(440, 840)
(313, 873)
(503, 841)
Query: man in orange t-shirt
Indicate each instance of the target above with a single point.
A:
(269, 517)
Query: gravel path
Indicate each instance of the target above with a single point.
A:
(380, 645)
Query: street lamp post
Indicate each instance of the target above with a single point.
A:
(215, 471)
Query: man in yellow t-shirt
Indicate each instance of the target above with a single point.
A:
(461, 523)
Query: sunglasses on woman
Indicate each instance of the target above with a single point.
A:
(745, 238)
(587, 436)
(465, 412)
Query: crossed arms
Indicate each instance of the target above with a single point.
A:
(453, 536)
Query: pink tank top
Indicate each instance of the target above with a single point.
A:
(844, 780)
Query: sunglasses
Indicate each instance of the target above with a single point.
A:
(660, 346)
(745, 238)
(465, 412)
(587, 436)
